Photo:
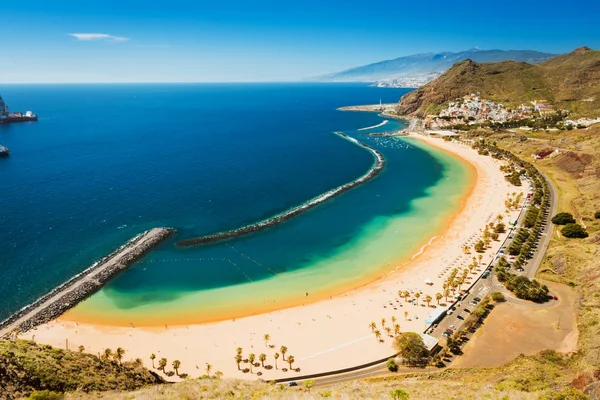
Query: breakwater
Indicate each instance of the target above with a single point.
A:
(375, 169)
(82, 285)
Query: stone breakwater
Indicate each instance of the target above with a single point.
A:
(82, 285)
(375, 169)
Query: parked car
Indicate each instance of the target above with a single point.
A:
(293, 383)
(477, 299)
(485, 274)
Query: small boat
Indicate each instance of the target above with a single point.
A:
(3, 151)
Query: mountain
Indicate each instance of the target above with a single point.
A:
(570, 81)
(429, 63)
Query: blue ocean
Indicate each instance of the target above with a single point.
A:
(106, 162)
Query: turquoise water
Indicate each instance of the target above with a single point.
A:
(107, 162)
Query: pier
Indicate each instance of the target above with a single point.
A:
(81, 286)
(375, 169)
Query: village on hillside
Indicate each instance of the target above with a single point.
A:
(473, 110)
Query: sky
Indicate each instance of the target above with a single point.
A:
(266, 40)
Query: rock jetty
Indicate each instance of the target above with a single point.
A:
(81, 286)
(375, 169)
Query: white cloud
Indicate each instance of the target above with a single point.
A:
(88, 37)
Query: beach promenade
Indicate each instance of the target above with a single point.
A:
(330, 334)
(66, 296)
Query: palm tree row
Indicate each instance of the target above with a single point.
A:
(263, 357)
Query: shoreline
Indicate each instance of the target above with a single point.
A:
(191, 315)
(278, 218)
(327, 334)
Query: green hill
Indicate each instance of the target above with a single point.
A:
(570, 81)
(26, 367)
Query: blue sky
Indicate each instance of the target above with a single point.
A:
(260, 40)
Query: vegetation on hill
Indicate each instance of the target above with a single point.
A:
(570, 81)
(575, 172)
(26, 367)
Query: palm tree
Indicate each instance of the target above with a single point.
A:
(283, 350)
(373, 326)
(218, 374)
(238, 351)
(119, 353)
(107, 354)
(162, 363)
(417, 295)
(438, 297)
(397, 329)
(466, 249)
(383, 322)
(393, 320)
(238, 360)
(81, 349)
(400, 293)
(290, 361)
(176, 364)
(152, 357)
(479, 258)
(251, 358)
(276, 356)
(262, 357)
(139, 362)
(428, 299)
(406, 295)
(378, 334)
(460, 281)
(208, 369)
(499, 217)
(388, 330)
(405, 315)
(446, 294)
(266, 338)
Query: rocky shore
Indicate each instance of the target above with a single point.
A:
(373, 171)
(81, 286)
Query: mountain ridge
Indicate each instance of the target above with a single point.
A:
(571, 81)
(426, 63)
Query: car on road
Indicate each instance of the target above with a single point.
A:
(485, 274)
(293, 383)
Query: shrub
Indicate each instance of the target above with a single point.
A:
(391, 365)
(574, 231)
(597, 215)
(399, 394)
(46, 395)
(498, 297)
(563, 219)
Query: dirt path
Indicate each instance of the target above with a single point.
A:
(514, 329)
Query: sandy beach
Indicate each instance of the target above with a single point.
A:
(326, 335)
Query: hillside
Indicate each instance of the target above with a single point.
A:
(26, 367)
(571, 81)
(427, 63)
